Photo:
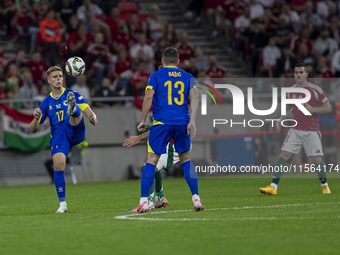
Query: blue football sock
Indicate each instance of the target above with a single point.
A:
(77, 112)
(190, 176)
(148, 177)
(152, 189)
(59, 181)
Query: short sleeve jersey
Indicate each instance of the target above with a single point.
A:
(308, 122)
(170, 102)
(56, 107)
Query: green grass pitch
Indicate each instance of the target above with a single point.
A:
(237, 219)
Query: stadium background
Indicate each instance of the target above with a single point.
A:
(122, 41)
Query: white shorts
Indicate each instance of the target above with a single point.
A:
(310, 140)
(166, 161)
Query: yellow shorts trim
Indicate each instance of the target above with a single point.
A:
(149, 148)
(155, 122)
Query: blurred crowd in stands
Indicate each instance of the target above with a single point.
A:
(277, 34)
(122, 48)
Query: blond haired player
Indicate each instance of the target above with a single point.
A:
(64, 108)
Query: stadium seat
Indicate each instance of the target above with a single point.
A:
(212, 4)
(2, 58)
(246, 49)
(62, 50)
(18, 36)
(293, 41)
(38, 44)
(142, 18)
(126, 8)
(262, 68)
(22, 39)
(265, 70)
(233, 35)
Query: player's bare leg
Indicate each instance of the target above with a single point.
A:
(148, 177)
(316, 160)
(74, 121)
(59, 161)
(190, 176)
(73, 110)
(152, 158)
(319, 164)
(285, 155)
(282, 161)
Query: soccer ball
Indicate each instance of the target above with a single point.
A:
(75, 66)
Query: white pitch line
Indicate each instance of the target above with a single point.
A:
(225, 219)
(140, 216)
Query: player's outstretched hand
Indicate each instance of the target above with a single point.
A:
(132, 140)
(37, 113)
(142, 126)
(94, 120)
(191, 128)
(278, 123)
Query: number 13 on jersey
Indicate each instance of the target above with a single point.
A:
(180, 92)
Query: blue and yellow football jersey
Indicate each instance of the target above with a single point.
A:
(56, 108)
(170, 103)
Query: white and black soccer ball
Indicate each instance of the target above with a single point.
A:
(75, 66)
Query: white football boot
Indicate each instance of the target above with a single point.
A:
(198, 205)
(62, 208)
(144, 207)
(161, 202)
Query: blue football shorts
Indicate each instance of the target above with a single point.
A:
(67, 137)
(160, 135)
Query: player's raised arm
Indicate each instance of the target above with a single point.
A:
(85, 108)
(35, 125)
(147, 102)
(194, 101)
(91, 116)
